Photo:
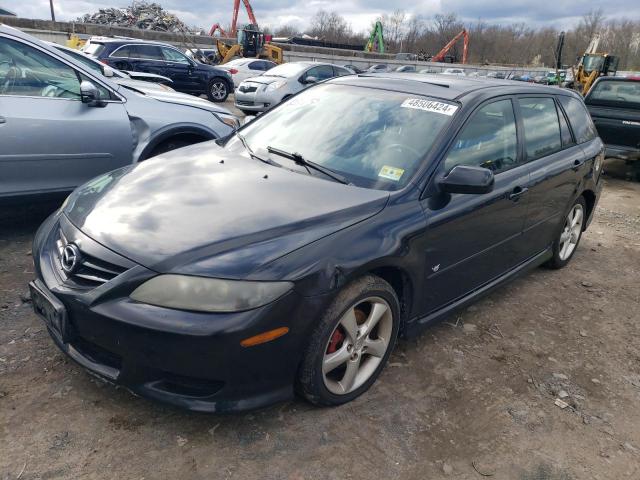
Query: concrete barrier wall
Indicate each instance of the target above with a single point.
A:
(60, 32)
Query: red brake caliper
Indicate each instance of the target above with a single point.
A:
(336, 339)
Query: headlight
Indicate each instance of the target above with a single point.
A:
(230, 120)
(276, 85)
(208, 294)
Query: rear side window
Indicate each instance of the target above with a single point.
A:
(488, 140)
(150, 52)
(541, 127)
(580, 120)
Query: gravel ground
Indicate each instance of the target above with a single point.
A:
(477, 395)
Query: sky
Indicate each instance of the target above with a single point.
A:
(359, 13)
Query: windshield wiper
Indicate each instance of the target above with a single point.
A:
(253, 155)
(300, 160)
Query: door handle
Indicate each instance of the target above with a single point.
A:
(3, 120)
(517, 193)
(577, 164)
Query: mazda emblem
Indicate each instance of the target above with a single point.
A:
(70, 258)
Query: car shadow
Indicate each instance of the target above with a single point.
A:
(18, 219)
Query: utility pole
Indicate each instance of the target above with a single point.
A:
(53, 15)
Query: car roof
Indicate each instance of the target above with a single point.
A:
(441, 86)
(126, 41)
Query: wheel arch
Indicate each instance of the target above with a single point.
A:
(401, 283)
(171, 133)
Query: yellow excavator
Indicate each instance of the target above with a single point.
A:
(251, 43)
(593, 65)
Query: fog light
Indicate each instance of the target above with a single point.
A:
(264, 337)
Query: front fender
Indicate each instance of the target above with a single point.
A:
(148, 140)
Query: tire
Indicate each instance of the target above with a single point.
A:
(337, 368)
(568, 238)
(218, 90)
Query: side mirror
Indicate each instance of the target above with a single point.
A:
(107, 71)
(90, 94)
(467, 179)
(310, 80)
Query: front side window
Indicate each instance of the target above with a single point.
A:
(172, 55)
(583, 127)
(488, 140)
(541, 127)
(321, 72)
(26, 71)
(376, 138)
(126, 51)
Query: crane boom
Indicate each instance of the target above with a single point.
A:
(439, 57)
(252, 17)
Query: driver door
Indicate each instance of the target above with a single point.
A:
(472, 239)
(51, 141)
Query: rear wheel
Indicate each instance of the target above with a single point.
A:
(567, 241)
(218, 90)
(352, 343)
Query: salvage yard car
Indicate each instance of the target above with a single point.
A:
(260, 93)
(290, 255)
(614, 104)
(188, 76)
(63, 122)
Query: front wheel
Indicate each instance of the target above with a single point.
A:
(218, 90)
(567, 241)
(352, 343)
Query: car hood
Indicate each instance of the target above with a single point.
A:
(264, 80)
(203, 210)
(168, 96)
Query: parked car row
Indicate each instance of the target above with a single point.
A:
(64, 120)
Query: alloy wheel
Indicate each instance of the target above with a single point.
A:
(571, 232)
(357, 345)
(218, 90)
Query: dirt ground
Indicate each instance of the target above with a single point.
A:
(471, 398)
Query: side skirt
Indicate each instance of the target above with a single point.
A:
(417, 325)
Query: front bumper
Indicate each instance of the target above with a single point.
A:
(188, 359)
(258, 101)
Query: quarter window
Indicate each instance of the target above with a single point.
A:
(488, 140)
(565, 133)
(580, 120)
(26, 71)
(541, 127)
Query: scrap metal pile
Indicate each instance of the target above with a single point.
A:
(143, 15)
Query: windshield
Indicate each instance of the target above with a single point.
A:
(375, 138)
(616, 92)
(286, 70)
(93, 48)
(592, 62)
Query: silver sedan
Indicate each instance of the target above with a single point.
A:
(260, 93)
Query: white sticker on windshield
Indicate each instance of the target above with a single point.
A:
(430, 106)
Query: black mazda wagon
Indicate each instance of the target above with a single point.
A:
(291, 255)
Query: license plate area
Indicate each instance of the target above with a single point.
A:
(50, 310)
